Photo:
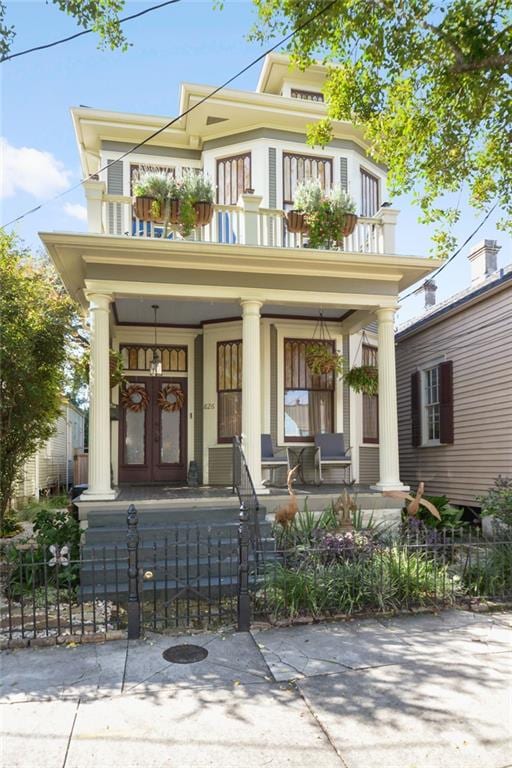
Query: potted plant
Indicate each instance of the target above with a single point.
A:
(363, 379)
(332, 219)
(198, 192)
(306, 199)
(322, 359)
(157, 196)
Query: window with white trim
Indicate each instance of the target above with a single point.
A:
(431, 406)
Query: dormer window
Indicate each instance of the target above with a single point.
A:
(297, 93)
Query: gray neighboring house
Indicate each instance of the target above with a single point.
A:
(454, 385)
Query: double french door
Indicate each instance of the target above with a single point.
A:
(153, 430)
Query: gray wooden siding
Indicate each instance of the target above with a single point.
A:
(114, 187)
(368, 464)
(198, 404)
(477, 340)
(272, 177)
(220, 465)
(344, 173)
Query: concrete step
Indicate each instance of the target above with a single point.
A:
(158, 515)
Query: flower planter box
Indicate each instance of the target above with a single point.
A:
(350, 224)
(204, 213)
(142, 208)
(296, 223)
(169, 210)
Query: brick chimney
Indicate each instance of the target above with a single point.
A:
(429, 288)
(484, 260)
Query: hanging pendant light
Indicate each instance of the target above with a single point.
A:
(155, 367)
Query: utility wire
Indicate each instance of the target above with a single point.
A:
(84, 32)
(179, 117)
(459, 249)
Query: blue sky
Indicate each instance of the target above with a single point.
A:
(187, 41)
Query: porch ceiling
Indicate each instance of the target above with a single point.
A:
(138, 311)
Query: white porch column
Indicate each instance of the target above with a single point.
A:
(388, 416)
(388, 216)
(251, 389)
(94, 191)
(99, 400)
(250, 204)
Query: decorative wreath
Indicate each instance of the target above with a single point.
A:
(171, 397)
(135, 398)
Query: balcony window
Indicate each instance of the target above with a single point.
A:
(229, 389)
(370, 202)
(308, 398)
(297, 168)
(233, 178)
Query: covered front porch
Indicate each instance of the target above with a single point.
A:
(239, 307)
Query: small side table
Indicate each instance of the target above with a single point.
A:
(296, 459)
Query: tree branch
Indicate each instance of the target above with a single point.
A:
(499, 61)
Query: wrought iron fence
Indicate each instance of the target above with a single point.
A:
(48, 592)
(351, 573)
(203, 577)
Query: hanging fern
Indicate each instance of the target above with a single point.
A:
(363, 379)
(321, 359)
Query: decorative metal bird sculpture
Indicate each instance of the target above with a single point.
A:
(414, 501)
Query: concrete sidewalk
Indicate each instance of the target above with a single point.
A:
(419, 691)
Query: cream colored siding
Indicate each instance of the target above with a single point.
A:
(369, 464)
(477, 340)
(220, 465)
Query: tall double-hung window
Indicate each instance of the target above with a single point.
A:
(308, 398)
(229, 389)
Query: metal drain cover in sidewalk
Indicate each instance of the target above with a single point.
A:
(185, 654)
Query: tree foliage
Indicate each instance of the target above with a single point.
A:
(102, 16)
(38, 322)
(431, 82)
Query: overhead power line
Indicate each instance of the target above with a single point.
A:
(179, 117)
(85, 32)
(459, 249)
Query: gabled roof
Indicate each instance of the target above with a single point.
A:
(499, 280)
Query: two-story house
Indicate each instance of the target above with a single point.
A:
(240, 298)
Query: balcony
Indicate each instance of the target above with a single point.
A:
(247, 223)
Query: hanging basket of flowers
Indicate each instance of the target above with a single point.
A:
(363, 379)
(322, 359)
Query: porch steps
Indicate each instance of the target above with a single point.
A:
(178, 547)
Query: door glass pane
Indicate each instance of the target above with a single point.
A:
(134, 440)
(170, 437)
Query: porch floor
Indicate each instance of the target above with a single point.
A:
(184, 492)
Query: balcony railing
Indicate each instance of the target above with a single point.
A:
(244, 224)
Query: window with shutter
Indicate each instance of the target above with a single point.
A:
(432, 405)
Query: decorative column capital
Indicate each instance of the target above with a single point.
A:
(251, 306)
(98, 300)
(386, 314)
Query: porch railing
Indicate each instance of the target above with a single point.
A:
(242, 225)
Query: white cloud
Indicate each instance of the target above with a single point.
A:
(76, 210)
(25, 169)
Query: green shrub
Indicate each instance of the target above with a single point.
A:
(489, 574)
(389, 579)
(498, 502)
(45, 561)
